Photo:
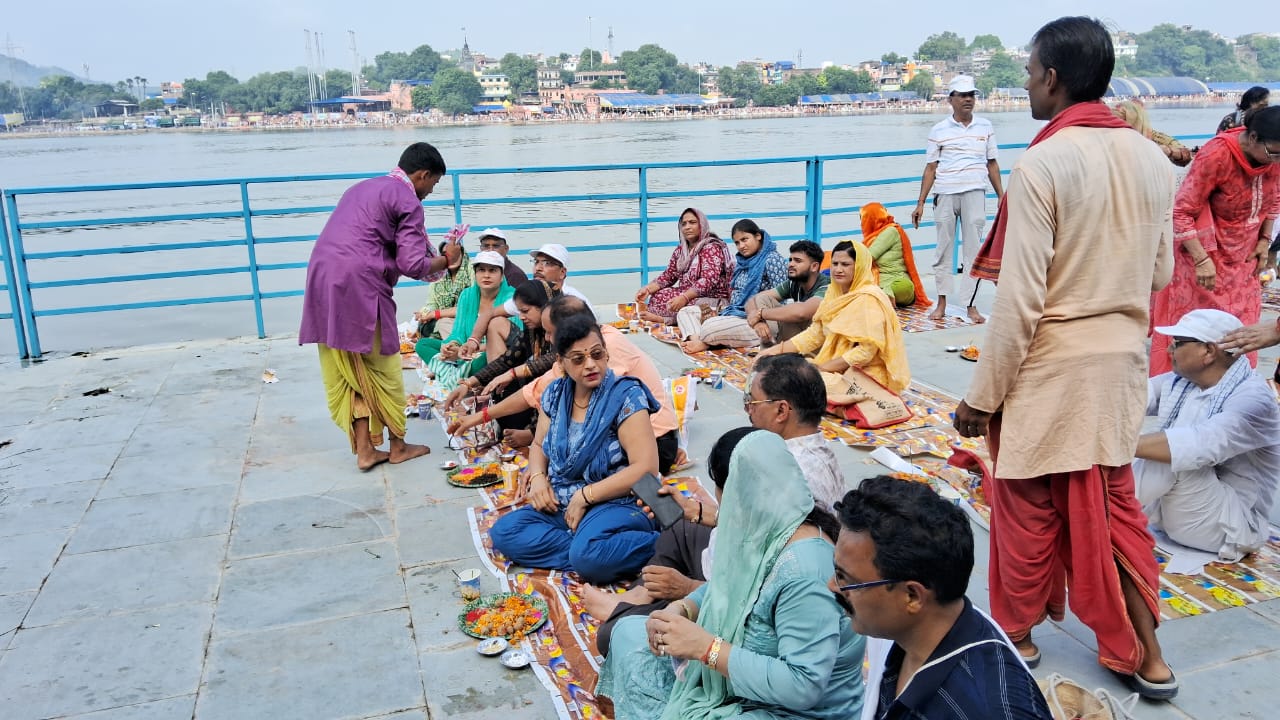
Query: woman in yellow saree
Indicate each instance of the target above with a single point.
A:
(855, 326)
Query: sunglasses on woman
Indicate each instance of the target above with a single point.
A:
(596, 353)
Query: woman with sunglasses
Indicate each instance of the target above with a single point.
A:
(765, 637)
(1223, 219)
(593, 442)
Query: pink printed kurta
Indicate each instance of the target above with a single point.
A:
(709, 276)
(1223, 201)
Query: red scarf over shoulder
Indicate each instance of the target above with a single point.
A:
(1093, 114)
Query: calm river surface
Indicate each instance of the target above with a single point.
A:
(158, 155)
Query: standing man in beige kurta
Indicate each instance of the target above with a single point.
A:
(1060, 388)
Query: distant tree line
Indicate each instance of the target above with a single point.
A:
(1162, 51)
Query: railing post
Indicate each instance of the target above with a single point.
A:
(808, 199)
(253, 257)
(816, 207)
(24, 284)
(644, 225)
(15, 312)
(457, 198)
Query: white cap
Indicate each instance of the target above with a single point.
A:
(493, 232)
(489, 257)
(555, 252)
(1203, 325)
(961, 84)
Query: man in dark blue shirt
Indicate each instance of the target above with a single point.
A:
(903, 561)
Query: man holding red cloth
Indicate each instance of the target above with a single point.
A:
(1080, 240)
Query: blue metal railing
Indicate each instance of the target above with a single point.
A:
(13, 315)
(23, 290)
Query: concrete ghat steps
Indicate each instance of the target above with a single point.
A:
(198, 544)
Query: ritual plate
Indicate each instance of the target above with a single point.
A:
(504, 615)
(475, 476)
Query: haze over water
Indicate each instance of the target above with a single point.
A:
(161, 155)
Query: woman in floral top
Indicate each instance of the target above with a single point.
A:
(699, 272)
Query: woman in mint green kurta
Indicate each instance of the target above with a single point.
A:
(788, 650)
(489, 291)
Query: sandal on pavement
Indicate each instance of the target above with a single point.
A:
(1166, 690)
(1032, 661)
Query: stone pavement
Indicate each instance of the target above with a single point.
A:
(196, 543)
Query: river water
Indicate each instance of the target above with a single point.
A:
(170, 156)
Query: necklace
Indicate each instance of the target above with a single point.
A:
(582, 407)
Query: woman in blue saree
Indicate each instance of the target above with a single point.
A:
(593, 442)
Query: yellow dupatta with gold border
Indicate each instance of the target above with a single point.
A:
(863, 315)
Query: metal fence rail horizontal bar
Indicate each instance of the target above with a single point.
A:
(824, 197)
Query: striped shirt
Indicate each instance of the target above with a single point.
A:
(973, 674)
(962, 152)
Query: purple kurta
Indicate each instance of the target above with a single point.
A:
(375, 235)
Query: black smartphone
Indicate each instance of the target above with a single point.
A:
(664, 507)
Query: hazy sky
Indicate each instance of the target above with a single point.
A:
(174, 39)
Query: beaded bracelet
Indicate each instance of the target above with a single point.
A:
(713, 653)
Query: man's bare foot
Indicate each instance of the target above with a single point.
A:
(1155, 671)
(600, 604)
(1028, 650)
(373, 459)
(516, 439)
(975, 317)
(693, 345)
(939, 311)
(402, 451)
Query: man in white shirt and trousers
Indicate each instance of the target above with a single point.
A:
(959, 162)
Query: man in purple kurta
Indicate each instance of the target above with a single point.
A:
(375, 235)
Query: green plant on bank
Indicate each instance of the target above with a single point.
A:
(1003, 72)
(922, 84)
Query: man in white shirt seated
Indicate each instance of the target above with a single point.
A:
(550, 263)
(1207, 478)
(784, 398)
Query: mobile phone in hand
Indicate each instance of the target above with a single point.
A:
(664, 507)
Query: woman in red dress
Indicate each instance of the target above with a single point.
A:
(1222, 222)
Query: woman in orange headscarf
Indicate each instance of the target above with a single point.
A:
(890, 248)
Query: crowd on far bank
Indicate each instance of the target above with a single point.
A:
(770, 601)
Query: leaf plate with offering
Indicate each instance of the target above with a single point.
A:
(505, 615)
(475, 476)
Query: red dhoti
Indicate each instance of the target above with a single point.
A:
(1070, 531)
